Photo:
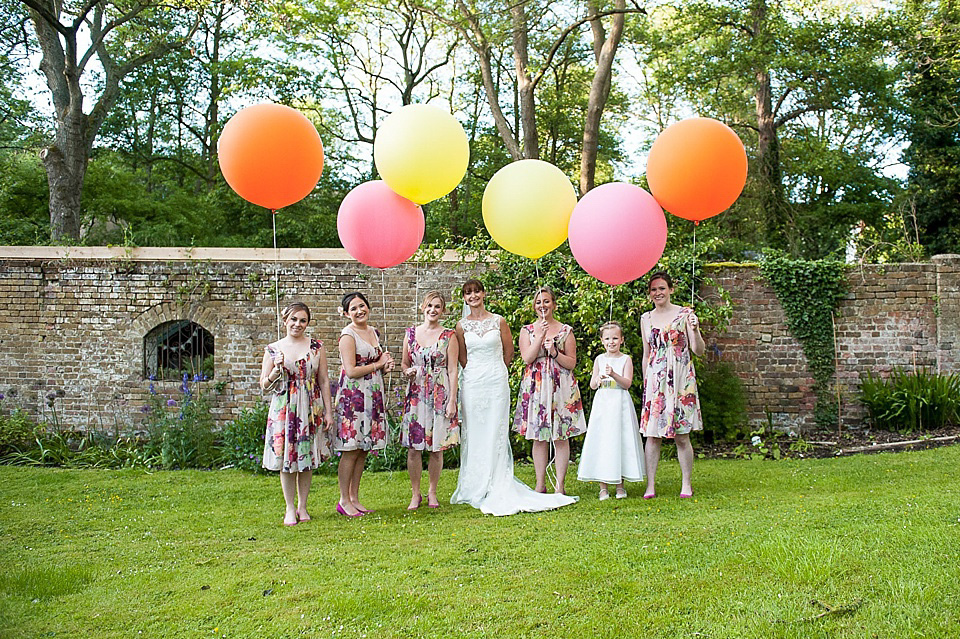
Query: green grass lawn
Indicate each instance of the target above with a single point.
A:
(203, 554)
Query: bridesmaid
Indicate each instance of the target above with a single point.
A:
(549, 408)
(671, 403)
(429, 361)
(361, 420)
(294, 369)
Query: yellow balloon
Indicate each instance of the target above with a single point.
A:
(421, 152)
(527, 207)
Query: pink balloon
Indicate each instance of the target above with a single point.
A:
(617, 232)
(378, 227)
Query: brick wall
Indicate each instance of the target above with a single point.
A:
(74, 320)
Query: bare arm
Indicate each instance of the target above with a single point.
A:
(406, 362)
(506, 340)
(595, 375)
(323, 378)
(270, 370)
(348, 359)
(694, 338)
(530, 343)
(462, 346)
(453, 351)
(567, 357)
(644, 332)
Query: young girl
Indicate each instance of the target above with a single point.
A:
(361, 424)
(612, 451)
(549, 408)
(671, 405)
(294, 369)
(429, 361)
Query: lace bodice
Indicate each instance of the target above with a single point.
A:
(484, 348)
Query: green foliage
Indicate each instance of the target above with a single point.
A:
(909, 401)
(932, 57)
(810, 292)
(180, 430)
(16, 430)
(240, 444)
(723, 402)
(46, 582)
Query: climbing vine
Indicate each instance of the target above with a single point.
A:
(810, 292)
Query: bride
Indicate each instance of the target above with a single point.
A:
(486, 478)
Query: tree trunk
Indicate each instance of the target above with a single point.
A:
(605, 50)
(525, 84)
(771, 197)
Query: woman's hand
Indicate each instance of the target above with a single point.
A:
(327, 420)
(278, 360)
(451, 411)
(410, 372)
(386, 362)
(694, 321)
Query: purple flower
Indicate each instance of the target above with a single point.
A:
(171, 402)
(153, 390)
(145, 408)
(51, 396)
(2, 396)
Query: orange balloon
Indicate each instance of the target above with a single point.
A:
(697, 168)
(270, 155)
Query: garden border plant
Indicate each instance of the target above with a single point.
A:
(809, 292)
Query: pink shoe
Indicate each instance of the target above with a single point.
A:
(686, 495)
(419, 501)
(650, 496)
(345, 513)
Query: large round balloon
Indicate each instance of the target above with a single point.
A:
(270, 155)
(378, 227)
(421, 152)
(617, 232)
(526, 207)
(697, 168)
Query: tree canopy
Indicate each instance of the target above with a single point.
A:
(110, 112)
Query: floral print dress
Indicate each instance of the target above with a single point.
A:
(671, 405)
(549, 406)
(361, 421)
(295, 439)
(425, 424)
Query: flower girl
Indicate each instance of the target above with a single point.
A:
(612, 452)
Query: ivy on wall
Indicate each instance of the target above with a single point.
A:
(810, 292)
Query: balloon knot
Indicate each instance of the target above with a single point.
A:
(696, 222)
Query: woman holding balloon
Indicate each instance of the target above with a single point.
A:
(671, 404)
(361, 420)
(294, 369)
(549, 408)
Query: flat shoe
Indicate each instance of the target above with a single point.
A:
(621, 494)
(650, 496)
(604, 495)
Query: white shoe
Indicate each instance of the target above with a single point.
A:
(604, 494)
(621, 493)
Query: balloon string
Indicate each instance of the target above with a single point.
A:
(383, 302)
(610, 317)
(536, 267)
(276, 269)
(693, 265)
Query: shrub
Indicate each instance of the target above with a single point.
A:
(180, 430)
(241, 440)
(723, 402)
(16, 431)
(911, 401)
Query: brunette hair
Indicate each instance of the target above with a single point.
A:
(661, 275)
(434, 295)
(345, 303)
(472, 285)
(292, 308)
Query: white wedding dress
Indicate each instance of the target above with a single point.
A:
(486, 478)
